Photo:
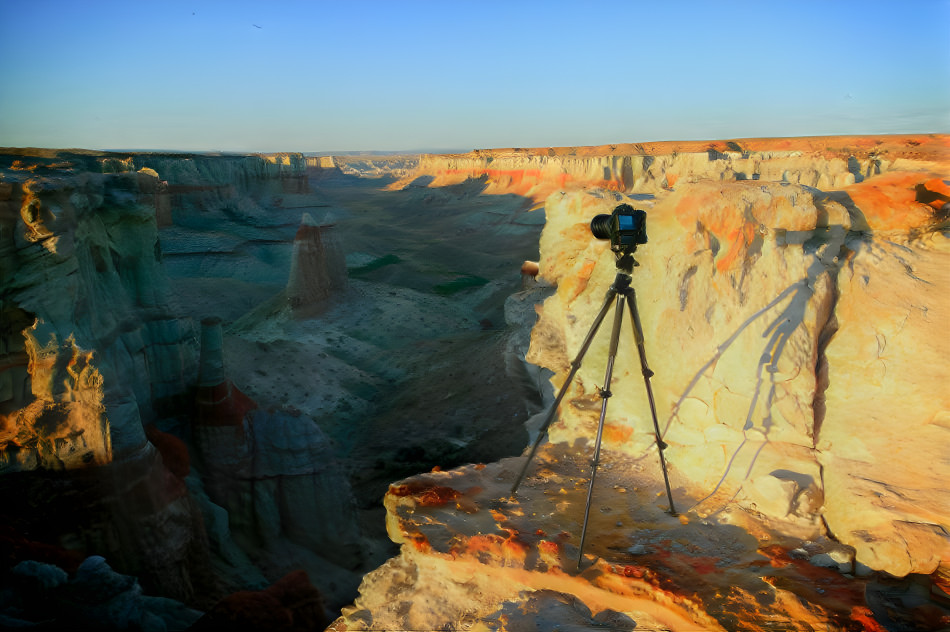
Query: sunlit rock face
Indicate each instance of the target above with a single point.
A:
(793, 299)
(475, 557)
(788, 335)
(824, 163)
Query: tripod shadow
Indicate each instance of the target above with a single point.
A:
(777, 335)
(794, 289)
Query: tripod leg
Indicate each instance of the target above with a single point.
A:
(647, 374)
(605, 395)
(575, 366)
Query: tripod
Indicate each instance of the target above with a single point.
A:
(623, 293)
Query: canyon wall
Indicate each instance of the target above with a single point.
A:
(826, 163)
(94, 352)
(88, 299)
(794, 299)
(85, 303)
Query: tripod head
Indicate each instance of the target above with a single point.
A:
(625, 261)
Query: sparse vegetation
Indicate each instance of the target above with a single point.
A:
(460, 284)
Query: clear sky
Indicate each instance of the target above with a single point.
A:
(284, 75)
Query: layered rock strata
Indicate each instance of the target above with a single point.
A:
(822, 162)
(87, 300)
(475, 557)
(92, 351)
(273, 473)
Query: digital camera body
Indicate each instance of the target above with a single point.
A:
(626, 228)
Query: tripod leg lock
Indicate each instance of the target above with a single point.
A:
(661, 444)
(648, 373)
(605, 393)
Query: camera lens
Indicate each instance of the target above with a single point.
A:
(600, 226)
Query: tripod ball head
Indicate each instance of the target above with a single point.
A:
(626, 228)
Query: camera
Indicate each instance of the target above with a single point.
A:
(626, 228)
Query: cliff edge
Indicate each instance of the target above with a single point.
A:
(793, 298)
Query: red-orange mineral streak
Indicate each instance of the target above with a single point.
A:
(865, 617)
(939, 191)
(813, 583)
(617, 433)
(425, 494)
(578, 283)
(173, 450)
(223, 405)
(510, 551)
(701, 564)
(420, 543)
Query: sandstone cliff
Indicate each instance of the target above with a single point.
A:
(85, 303)
(793, 296)
(95, 350)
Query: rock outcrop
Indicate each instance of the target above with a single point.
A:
(793, 302)
(93, 352)
(787, 378)
(86, 307)
(287, 501)
(94, 597)
(87, 300)
(792, 295)
(317, 269)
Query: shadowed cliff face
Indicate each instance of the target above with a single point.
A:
(95, 350)
(109, 264)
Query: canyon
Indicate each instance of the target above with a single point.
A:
(219, 371)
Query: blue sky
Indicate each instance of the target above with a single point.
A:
(283, 75)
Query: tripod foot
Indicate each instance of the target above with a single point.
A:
(581, 566)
